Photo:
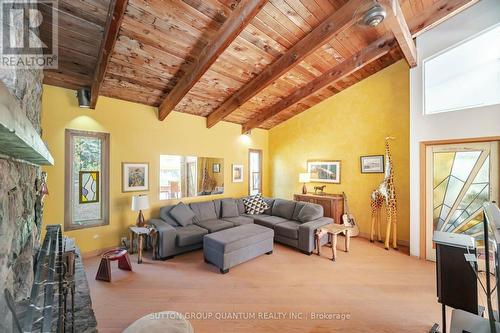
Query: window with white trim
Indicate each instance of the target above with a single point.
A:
(464, 76)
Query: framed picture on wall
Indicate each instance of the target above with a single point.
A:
(372, 164)
(216, 168)
(324, 171)
(237, 173)
(135, 177)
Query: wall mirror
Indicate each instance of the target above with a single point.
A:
(190, 176)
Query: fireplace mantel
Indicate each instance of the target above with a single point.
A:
(18, 137)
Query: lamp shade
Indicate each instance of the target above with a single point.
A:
(304, 177)
(140, 202)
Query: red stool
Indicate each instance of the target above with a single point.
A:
(104, 271)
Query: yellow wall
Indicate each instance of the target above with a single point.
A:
(344, 127)
(137, 136)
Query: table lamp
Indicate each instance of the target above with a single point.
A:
(304, 178)
(139, 203)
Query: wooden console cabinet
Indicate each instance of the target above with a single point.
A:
(333, 204)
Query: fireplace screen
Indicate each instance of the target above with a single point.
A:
(47, 309)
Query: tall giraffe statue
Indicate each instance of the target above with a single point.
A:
(385, 193)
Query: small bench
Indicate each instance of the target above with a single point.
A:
(230, 247)
(104, 271)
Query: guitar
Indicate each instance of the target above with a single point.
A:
(348, 219)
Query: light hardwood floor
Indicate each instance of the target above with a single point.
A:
(381, 291)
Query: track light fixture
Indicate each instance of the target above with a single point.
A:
(83, 96)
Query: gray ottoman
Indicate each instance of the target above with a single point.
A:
(230, 247)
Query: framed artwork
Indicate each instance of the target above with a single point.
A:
(324, 171)
(237, 173)
(372, 164)
(216, 168)
(88, 187)
(256, 181)
(135, 177)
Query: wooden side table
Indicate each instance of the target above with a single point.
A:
(143, 233)
(332, 230)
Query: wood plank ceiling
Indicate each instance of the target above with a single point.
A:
(80, 27)
(159, 42)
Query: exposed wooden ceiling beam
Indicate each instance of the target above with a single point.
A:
(371, 53)
(399, 28)
(332, 25)
(114, 20)
(430, 17)
(232, 27)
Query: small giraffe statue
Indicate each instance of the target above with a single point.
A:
(385, 193)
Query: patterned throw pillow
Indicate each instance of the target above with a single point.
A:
(255, 205)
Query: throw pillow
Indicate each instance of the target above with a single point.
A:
(182, 214)
(255, 205)
(270, 203)
(229, 208)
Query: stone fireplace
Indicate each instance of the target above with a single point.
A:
(22, 151)
(20, 221)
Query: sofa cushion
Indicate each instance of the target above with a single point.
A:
(237, 238)
(288, 229)
(241, 206)
(204, 210)
(298, 207)
(215, 225)
(190, 235)
(229, 208)
(166, 217)
(283, 208)
(239, 220)
(218, 207)
(310, 212)
(270, 203)
(268, 221)
(182, 214)
(255, 204)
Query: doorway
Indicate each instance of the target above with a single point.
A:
(254, 171)
(459, 179)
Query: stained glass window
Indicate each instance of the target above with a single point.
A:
(461, 186)
(87, 185)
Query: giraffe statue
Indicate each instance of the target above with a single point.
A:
(385, 193)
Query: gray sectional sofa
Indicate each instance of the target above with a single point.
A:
(293, 223)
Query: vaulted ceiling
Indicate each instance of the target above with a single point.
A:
(80, 27)
(250, 62)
